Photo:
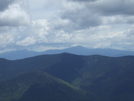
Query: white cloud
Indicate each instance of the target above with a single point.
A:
(64, 23)
(14, 13)
(5, 3)
(34, 34)
(14, 16)
(27, 41)
(6, 40)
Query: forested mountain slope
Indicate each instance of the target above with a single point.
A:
(110, 78)
(40, 86)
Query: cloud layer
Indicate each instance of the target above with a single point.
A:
(12, 13)
(91, 23)
(5, 3)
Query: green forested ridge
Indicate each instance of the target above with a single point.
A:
(40, 86)
(109, 78)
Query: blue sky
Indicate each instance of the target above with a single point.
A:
(39, 25)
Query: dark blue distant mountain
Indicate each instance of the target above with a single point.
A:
(19, 54)
(78, 50)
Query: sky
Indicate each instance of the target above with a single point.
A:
(39, 25)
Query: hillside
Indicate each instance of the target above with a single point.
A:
(40, 86)
(110, 78)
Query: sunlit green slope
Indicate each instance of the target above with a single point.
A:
(40, 86)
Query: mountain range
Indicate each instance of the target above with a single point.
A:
(67, 77)
(78, 50)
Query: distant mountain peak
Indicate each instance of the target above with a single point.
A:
(77, 47)
(78, 50)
